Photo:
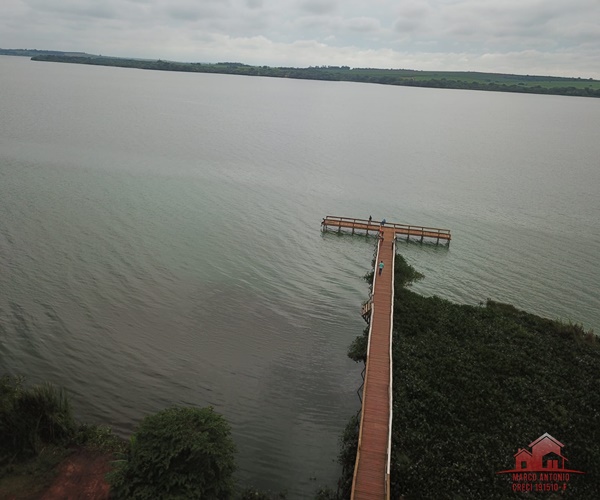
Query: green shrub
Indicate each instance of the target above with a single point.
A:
(327, 494)
(254, 494)
(404, 274)
(358, 349)
(182, 453)
(347, 456)
(10, 387)
(100, 438)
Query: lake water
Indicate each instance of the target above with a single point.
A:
(160, 237)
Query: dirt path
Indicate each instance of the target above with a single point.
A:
(81, 476)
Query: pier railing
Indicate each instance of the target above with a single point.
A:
(391, 397)
(373, 225)
(371, 312)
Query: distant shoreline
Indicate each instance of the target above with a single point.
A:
(466, 80)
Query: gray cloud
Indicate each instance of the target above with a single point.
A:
(510, 20)
(193, 12)
(72, 8)
(506, 35)
(407, 25)
(363, 24)
(319, 7)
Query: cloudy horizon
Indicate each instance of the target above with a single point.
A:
(541, 37)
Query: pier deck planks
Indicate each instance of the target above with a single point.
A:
(370, 469)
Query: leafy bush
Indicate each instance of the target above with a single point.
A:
(10, 388)
(347, 456)
(254, 494)
(100, 438)
(358, 349)
(327, 494)
(177, 453)
(404, 274)
(31, 418)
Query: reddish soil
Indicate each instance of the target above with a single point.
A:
(81, 476)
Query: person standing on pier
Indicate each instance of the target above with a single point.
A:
(380, 267)
(370, 219)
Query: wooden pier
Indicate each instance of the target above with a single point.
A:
(371, 478)
(372, 227)
(372, 468)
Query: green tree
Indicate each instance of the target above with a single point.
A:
(182, 453)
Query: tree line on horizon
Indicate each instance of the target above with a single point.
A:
(496, 82)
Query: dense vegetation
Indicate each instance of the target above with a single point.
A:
(472, 385)
(37, 52)
(37, 432)
(177, 453)
(436, 79)
(32, 418)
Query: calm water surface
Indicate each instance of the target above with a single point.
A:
(160, 243)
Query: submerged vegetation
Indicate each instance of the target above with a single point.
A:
(471, 80)
(473, 385)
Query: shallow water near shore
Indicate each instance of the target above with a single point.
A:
(160, 237)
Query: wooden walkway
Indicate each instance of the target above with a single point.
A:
(371, 471)
(372, 468)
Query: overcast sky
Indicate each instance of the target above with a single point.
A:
(548, 37)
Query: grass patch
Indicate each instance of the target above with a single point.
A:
(37, 432)
(26, 479)
(32, 418)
